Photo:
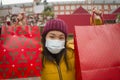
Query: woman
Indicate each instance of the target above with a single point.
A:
(118, 18)
(21, 19)
(96, 17)
(58, 55)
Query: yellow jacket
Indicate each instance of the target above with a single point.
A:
(96, 21)
(52, 71)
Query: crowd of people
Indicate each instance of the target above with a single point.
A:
(23, 19)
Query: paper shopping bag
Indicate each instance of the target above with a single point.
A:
(20, 52)
(97, 52)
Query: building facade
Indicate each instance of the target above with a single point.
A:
(69, 8)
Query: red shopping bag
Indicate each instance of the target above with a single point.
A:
(98, 52)
(20, 52)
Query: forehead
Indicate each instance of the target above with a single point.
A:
(55, 33)
(20, 15)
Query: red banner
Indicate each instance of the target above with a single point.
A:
(98, 52)
(20, 52)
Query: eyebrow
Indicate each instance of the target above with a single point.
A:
(55, 34)
(52, 33)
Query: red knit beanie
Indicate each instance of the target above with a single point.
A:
(55, 24)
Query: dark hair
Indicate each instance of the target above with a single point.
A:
(51, 57)
(23, 16)
(13, 18)
(0, 29)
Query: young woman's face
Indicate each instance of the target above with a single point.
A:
(20, 17)
(55, 35)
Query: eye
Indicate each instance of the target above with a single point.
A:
(62, 38)
(52, 37)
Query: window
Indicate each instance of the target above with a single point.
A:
(61, 12)
(89, 1)
(113, 7)
(56, 8)
(61, 7)
(89, 7)
(105, 6)
(56, 13)
(78, 6)
(84, 6)
(73, 7)
(67, 12)
(99, 7)
(67, 7)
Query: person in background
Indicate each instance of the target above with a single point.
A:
(8, 21)
(31, 21)
(58, 53)
(96, 17)
(21, 19)
(13, 19)
(118, 18)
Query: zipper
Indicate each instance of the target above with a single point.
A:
(59, 72)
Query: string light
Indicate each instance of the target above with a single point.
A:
(4, 50)
(30, 35)
(22, 50)
(14, 35)
(31, 64)
(13, 65)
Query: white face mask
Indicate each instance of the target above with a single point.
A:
(55, 46)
